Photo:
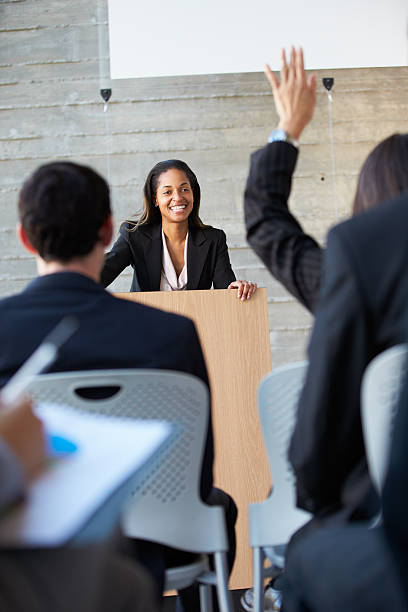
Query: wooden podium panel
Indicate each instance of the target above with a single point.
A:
(235, 340)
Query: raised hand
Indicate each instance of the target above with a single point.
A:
(294, 95)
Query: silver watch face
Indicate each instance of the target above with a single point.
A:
(277, 135)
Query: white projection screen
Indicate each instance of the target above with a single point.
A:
(151, 38)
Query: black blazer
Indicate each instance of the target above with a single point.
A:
(293, 257)
(362, 311)
(112, 333)
(207, 258)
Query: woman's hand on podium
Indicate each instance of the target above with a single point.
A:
(246, 289)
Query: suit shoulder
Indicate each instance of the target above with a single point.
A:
(10, 314)
(8, 303)
(127, 228)
(388, 220)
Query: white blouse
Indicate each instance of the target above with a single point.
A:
(169, 280)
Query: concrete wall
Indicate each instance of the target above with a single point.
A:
(50, 108)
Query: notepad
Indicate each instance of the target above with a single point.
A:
(102, 454)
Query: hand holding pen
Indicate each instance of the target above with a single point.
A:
(23, 433)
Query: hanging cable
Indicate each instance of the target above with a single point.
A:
(108, 140)
(105, 88)
(328, 83)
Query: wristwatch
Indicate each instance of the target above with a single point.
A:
(279, 135)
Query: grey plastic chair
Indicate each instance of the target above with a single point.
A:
(166, 507)
(380, 390)
(273, 521)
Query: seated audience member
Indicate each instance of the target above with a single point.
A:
(362, 299)
(84, 579)
(169, 247)
(361, 306)
(361, 312)
(65, 221)
(293, 257)
(354, 567)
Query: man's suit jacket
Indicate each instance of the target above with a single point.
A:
(207, 258)
(362, 311)
(112, 333)
(293, 257)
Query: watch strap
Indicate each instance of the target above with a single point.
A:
(279, 135)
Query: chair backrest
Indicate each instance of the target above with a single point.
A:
(166, 507)
(380, 391)
(278, 397)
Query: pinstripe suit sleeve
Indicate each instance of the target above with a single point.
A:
(293, 257)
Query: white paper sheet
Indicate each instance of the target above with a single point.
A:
(69, 490)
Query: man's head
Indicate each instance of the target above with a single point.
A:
(64, 211)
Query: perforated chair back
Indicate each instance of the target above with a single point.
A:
(167, 507)
(273, 521)
(380, 391)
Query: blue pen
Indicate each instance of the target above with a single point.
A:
(58, 446)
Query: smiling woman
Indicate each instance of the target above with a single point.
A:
(169, 247)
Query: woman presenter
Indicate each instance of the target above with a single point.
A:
(169, 247)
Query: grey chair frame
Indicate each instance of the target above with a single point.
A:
(165, 506)
(380, 391)
(273, 521)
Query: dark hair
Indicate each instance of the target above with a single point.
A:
(62, 206)
(384, 174)
(151, 213)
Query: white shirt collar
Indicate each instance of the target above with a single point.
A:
(169, 280)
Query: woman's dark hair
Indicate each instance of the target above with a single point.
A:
(62, 206)
(384, 174)
(151, 213)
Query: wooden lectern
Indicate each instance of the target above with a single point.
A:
(235, 340)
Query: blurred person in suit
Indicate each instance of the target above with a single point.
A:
(361, 304)
(334, 382)
(292, 256)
